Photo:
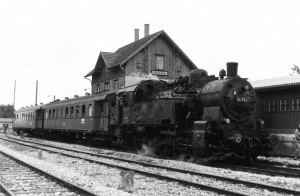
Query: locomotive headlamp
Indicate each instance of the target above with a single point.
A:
(238, 139)
(226, 120)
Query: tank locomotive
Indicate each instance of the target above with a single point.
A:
(199, 114)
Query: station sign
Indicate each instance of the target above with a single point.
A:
(159, 73)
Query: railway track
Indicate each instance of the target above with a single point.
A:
(20, 178)
(169, 174)
(261, 169)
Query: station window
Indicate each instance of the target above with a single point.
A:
(179, 68)
(159, 62)
(284, 105)
(272, 106)
(295, 104)
(116, 84)
(98, 88)
(90, 109)
(83, 110)
(106, 86)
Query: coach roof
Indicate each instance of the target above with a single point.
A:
(79, 100)
(29, 109)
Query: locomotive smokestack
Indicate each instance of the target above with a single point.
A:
(232, 68)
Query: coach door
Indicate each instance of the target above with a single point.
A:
(104, 116)
(40, 119)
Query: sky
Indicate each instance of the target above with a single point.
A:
(57, 42)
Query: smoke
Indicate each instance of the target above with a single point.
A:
(136, 78)
(185, 158)
(180, 157)
(147, 150)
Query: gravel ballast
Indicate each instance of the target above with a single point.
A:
(105, 181)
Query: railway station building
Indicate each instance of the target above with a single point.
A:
(279, 102)
(6, 122)
(279, 106)
(153, 56)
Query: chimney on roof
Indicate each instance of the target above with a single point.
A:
(136, 34)
(147, 26)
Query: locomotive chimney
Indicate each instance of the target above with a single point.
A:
(136, 34)
(147, 27)
(232, 68)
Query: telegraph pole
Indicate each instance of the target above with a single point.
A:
(14, 94)
(36, 92)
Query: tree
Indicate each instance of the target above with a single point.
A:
(295, 69)
(7, 111)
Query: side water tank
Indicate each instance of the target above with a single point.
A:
(197, 75)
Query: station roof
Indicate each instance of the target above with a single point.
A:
(125, 53)
(285, 81)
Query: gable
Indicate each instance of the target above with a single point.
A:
(125, 53)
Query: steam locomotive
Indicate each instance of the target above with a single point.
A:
(198, 114)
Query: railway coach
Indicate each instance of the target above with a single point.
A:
(79, 117)
(28, 119)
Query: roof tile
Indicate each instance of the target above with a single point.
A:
(124, 52)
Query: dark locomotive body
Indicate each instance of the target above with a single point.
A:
(199, 114)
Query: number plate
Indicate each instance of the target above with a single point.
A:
(242, 99)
